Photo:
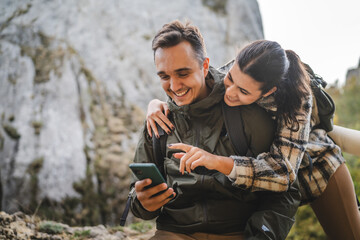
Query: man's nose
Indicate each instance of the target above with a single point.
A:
(175, 84)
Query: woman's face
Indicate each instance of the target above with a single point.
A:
(241, 89)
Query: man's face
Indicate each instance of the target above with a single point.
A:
(182, 77)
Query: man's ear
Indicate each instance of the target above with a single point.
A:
(270, 92)
(206, 66)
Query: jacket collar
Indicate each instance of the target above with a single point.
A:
(268, 103)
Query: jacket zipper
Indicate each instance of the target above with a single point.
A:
(204, 203)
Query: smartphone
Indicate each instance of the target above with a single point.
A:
(147, 170)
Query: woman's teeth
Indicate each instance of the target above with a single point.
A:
(230, 98)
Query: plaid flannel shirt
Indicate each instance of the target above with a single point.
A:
(290, 156)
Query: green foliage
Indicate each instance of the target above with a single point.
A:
(82, 234)
(142, 226)
(115, 229)
(353, 163)
(50, 227)
(347, 101)
(306, 226)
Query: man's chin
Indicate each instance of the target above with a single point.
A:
(181, 102)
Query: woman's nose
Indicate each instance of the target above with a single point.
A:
(229, 88)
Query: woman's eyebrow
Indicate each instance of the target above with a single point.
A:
(230, 77)
(242, 89)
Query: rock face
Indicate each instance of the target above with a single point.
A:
(75, 78)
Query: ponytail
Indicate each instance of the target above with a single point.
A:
(294, 87)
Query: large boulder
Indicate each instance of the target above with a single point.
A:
(75, 78)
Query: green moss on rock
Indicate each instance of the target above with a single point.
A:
(11, 118)
(37, 125)
(11, 131)
(89, 76)
(2, 140)
(45, 58)
(36, 165)
(34, 169)
(50, 227)
(89, 201)
(217, 6)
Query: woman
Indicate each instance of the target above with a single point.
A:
(277, 80)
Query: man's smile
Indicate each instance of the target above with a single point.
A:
(181, 93)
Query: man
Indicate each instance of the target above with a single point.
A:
(203, 204)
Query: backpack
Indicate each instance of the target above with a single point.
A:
(324, 106)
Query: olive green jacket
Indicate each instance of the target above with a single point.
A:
(206, 200)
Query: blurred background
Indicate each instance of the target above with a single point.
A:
(76, 76)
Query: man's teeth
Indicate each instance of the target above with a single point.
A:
(180, 94)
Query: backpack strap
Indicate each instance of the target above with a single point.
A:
(235, 128)
(159, 151)
(127, 207)
(159, 148)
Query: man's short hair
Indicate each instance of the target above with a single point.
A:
(175, 32)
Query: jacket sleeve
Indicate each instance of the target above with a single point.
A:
(143, 154)
(277, 169)
(275, 216)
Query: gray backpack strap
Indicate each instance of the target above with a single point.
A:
(159, 149)
(235, 128)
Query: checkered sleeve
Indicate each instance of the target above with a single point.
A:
(276, 169)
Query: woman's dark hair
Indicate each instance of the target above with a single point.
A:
(268, 63)
(175, 32)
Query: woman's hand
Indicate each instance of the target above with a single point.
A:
(195, 157)
(157, 112)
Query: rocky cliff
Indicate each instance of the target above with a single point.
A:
(75, 78)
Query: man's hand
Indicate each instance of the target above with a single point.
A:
(145, 196)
